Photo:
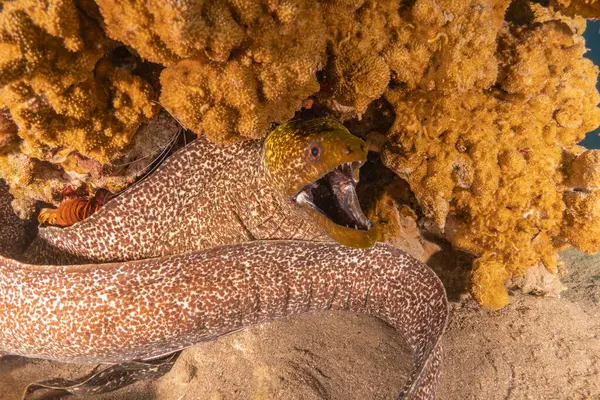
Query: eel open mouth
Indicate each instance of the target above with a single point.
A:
(334, 196)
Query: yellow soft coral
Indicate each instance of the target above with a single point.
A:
(264, 82)
(358, 77)
(584, 171)
(488, 276)
(29, 179)
(58, 93)
(234, 68)
(582, 220)
(584, 8)
(168, 31)
(581, 225)
(63, 93)
(96, 118)
(396, 222)
(361, 34)
(8, 129)
(488, 167)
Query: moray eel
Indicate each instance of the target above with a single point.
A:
(220, 238)
(209, 195)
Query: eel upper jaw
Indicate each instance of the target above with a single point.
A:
(334, 196)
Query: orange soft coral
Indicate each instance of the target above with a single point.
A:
(488, 167)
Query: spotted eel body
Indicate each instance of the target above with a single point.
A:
(148, 308)
(176, 261)
(205, 196)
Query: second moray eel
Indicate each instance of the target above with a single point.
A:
(198, 230)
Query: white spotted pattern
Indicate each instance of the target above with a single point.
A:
(224, 198)
(201, 273)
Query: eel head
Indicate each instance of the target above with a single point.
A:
(315, 163)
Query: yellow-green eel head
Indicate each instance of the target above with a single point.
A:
(316, 164)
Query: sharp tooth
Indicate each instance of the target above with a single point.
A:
(355, 171)
(303, 198)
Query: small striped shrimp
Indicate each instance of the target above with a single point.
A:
(71, 211)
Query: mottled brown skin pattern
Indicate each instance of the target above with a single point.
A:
(209, 195)
(194, 201)
(195, 228)
(146, 308)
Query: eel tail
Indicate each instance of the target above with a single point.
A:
(140, 310)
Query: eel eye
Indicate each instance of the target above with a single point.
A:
(314, 151)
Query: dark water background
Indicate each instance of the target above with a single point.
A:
(592, 42)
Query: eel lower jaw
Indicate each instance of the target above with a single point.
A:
(334, 197)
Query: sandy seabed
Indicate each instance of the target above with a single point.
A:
(536, 348)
